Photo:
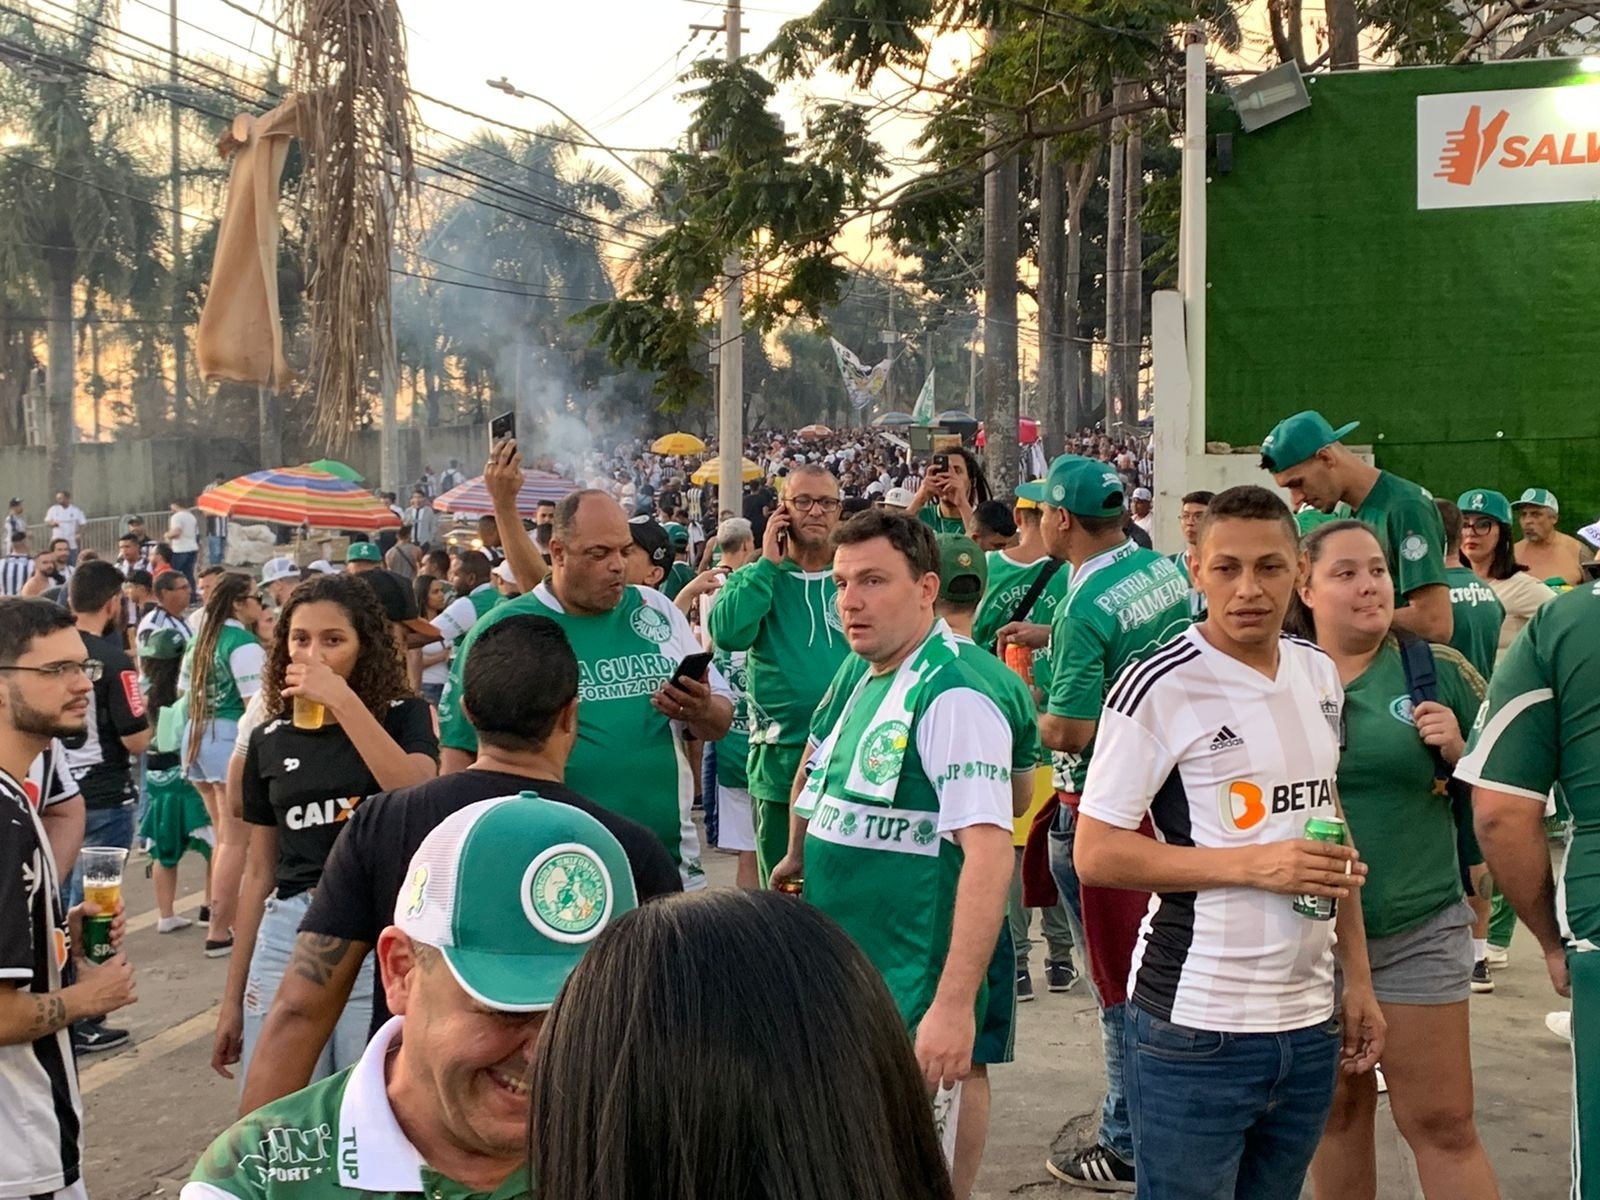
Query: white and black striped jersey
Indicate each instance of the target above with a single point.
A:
(50, 780)
(160, 618)
(39, 1105)
(15, 571)
(1221, 757)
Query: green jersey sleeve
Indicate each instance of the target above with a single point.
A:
(1415, 531)
(742, 604)
(1077, 668)
(1461, 688)
(1515, 742)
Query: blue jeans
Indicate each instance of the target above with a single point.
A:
(1116, 1127)
(216, 546)
(1226, 1116)
(280, 921)
(183, 562)
(101, 827)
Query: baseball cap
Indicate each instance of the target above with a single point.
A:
(363, 552)
(1543, 497)
(1084, 487)
(1295, 439)
(504, 571)
(898, 497)
(652, 539)
(1030, 494)
(963, 569)
(14, 502)
(873, 489)
(321, 566)
(163, 643)
(512, 891)
(279, 568)
(677, 534)
(1490, 504)
(1142, 493)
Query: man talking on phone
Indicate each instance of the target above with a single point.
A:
(783, 609)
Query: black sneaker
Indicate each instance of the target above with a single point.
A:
(205, 914)
(1096, 1169)
(1059, 976)
(1482, 981)
(221, 948)
(88, 1038)
(1024, 987)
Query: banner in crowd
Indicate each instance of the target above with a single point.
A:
(923, 412)
(864, 384)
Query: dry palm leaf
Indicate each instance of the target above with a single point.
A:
(350, 64)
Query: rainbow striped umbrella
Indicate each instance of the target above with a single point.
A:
(471, 499)
(298, 496)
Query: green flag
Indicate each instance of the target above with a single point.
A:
(923, 412)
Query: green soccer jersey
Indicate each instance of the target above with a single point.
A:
(628, 757)
(788, 621)
(676, 579)
(235, 670)
(1406, 833)
(333, 1140)
(930, 515)
(1409, 529)
(1478, 614)
(887, 873)
(1541, 727)
(733, 751)
(1123, 604)
(1009, 582)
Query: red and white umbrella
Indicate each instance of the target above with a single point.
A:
(471, 499)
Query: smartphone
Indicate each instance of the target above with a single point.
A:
(783, 534)
(941, 463)
(502, 427)
(692, 667)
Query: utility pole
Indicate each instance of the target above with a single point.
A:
(180, 356)
(730, 406)
(1000, 398)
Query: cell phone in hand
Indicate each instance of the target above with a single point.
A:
(502, 427)
(783, 534)
(693, 666)
(941, 463)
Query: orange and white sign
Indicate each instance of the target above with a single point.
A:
(1523, 146)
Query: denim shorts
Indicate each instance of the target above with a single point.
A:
(210, 762)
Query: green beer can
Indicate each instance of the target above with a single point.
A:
(97, 947)
(1321, 829)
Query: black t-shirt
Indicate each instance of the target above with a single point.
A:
(102, 766)
(367, 869)
(308, 782)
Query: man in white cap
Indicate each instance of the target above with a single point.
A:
(280, 577)
(1142, 515)
(502, 899)
(898, 499)
(1550, 555)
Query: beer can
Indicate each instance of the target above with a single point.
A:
(1321, 829)
(1020, 659)
(792, 886)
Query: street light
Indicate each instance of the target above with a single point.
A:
(1269, 97)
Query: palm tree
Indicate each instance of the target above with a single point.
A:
(75, 205)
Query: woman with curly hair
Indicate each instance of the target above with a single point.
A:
(333, 650)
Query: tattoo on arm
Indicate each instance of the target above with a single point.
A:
(49, 1015)
(317, 956)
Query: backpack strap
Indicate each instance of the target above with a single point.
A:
(1422, 681)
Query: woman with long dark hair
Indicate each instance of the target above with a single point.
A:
(948, 499)
(1418, 925)
(341, 724)
(814, 1091)
(432, 597)
(1486, 546)
(221, 672)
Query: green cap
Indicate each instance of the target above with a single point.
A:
(678, 535)
(1543, 497)
(363, 552)
(512, 891)
(1084, 487)
(1295, 439)
(1030, 494)
(1490, 504)
(163, 643)
(963, 569)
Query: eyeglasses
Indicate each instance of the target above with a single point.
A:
(1478, 524)
(827, 504)
(91, 669)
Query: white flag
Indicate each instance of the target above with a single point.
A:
(923, 412)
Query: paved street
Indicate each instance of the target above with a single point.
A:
(152, 1108)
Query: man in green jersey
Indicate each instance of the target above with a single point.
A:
(781, 609)
(1124, 603)
(632, 716)
(902, 830)
(680, 572)
(1305, 456)
(1541, 728)
(502, 899)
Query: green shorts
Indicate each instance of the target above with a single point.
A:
(997, 1018)
(1584, 968)
(175, 818)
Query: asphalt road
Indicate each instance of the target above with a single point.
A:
(154, 1106)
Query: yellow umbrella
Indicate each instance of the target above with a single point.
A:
(709, 472)
(678, 443)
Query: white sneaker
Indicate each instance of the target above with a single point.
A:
(1560, 1024)
(172, 924)
(1496, 957)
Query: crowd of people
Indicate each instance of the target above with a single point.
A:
(1279, 795)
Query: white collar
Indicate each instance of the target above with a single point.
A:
(481, 587)
(380, 1157)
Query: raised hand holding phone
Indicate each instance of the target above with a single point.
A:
(775, 542)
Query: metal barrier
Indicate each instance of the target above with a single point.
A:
(100, 534)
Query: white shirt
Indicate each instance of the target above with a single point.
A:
(1220, 756)
(459, 616)
(186, 532)
(65, 520)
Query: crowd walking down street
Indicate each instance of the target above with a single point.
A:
(662, 840)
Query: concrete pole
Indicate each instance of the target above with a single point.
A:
(180, 353)
(1192, 231)
(730, 353)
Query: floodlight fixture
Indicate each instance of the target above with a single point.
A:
(1269, 97)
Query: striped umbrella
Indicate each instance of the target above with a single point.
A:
(299, 496)
(471, 499)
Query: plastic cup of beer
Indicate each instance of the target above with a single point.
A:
(101, 868)
(308, 714)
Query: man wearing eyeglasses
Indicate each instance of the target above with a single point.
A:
(46, 684)
(783, 610)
